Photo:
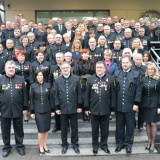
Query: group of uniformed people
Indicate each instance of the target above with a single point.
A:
(97, 75)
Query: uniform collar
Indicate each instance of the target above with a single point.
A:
(100, 77)
(127, 70)
(10, 77)
(67, 77)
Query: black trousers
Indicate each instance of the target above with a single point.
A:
(74, 129)
(57, 121)
(18, 131)
(125, 129)
(140, 117)
(101, 122)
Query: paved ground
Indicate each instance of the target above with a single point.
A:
(33, 155)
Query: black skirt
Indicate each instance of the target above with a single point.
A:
(150, 115)
(43, 121)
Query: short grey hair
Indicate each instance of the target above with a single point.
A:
(128, 29)
(31, 33)
(138, 55)
(9, 63)
(60, 53)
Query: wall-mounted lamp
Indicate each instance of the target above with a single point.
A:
(9, 6)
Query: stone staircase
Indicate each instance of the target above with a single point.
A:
(85, 140)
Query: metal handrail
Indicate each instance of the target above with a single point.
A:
(157, 61)
(155, 42)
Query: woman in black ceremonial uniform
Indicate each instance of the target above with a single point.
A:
(23, 69)
(151, 103)
(41, 109)
(40, 63)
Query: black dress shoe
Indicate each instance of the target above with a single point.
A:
(95, 151)
(84, 117)
(76, 149)
(26, 120)
(47, 151)
(55, 129)
(128, 150)
(21, 152)
(151, 151)
(106, 150)
(118, 149)
(147, 149)
(5, 153)
(64, 150)
(140, 128)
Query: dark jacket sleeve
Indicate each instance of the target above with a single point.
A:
(57, 103)
(79, 95)
(113, 96)
(31, 100)
(87, 97)
(52, 100)
(31, 75)
(138, 91)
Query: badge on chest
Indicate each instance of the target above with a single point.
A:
(18, 86)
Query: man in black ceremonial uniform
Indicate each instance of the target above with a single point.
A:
(68, 102)
(55, 72)
(95, 52)
(137, 66)
(57, 47)
(100, 101)
(129, 93)
(7, 33)
(117, 53)
(9, 51)
(13, 100)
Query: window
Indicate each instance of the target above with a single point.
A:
(44, 16)
(2, 12)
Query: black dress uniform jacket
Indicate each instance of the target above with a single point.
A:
(55, 49)
(37, 65)
(145, 42)
(10, 54)
(13, 97)
(117, 57)
(95, 54)
(100, 96)
(16, 41)
(55, 72)
(119, 35)
(141, 70)
(110, 39)
(127, 43)
(23, 69)
(151, 92)
(29, 53)
(41, 98)
(7, 34)
(3, 59)
(68, 94)
(129, 90)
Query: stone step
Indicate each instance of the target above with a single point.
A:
(80, 130)
(87, 140)
(87, 151)
(84, 135)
